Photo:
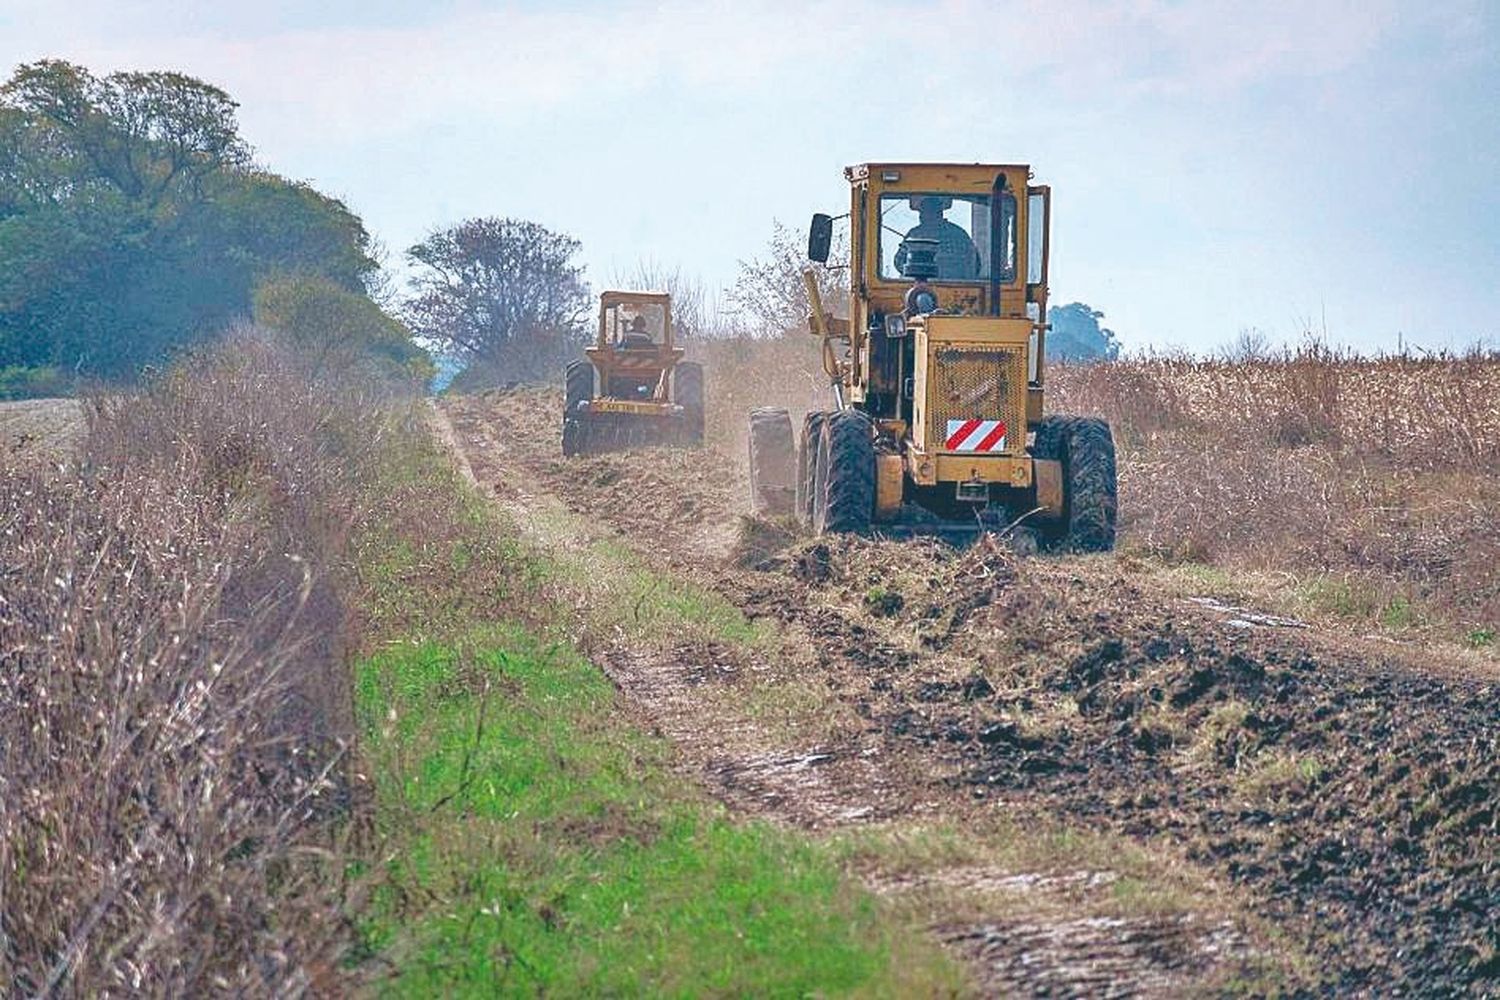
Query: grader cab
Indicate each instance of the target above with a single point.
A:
(938, 374)
(632, 388)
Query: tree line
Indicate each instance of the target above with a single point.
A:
(135, 223)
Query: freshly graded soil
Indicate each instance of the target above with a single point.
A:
(1346, 791)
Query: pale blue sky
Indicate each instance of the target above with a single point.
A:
(1216, 165)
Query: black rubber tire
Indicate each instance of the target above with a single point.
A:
(687, 392)
(846, 466)
(807, 456)
(578, 387)
(574, 437)
(772, 461)
(1086, 450)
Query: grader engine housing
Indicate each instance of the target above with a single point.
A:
(969, 401)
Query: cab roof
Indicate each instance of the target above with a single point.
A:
(621, 297)
(860, 171)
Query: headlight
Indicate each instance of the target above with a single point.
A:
(895, 325)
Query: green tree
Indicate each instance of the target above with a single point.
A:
(131, 224)
(1077, 336)
(336, 329)
(504, 296)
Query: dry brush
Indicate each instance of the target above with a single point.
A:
(174, 697)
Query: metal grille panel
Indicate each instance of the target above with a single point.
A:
(977, 382)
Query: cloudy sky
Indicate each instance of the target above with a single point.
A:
(1217, 165)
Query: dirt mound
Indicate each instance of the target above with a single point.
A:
(680, 501)
(1358, 799)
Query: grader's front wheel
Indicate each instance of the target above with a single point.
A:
(807, 463)
(772, 465)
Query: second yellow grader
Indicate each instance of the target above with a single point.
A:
(632, 389)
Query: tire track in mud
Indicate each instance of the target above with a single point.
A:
(793, 785)
(1351, 798)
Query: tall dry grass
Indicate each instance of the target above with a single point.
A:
(175, 716)
(1383, 473)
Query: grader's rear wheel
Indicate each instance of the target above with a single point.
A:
(1090, 492)
(772, 465)
(844, 500)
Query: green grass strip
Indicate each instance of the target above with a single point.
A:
(540, 844)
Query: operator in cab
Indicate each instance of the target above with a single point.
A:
(957, 258)
(637, 335)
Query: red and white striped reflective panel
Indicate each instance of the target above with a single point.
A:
(975, 435)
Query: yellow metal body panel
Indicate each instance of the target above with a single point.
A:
(608, 300)
(927, 469)
(1022, 300)
(968, 368)
(639, 363)
(633, 360)
(876, 294)
(977, 357)
(869, 181)
(654, 361)
(888, 485)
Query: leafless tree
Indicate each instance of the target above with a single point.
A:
(769, 294)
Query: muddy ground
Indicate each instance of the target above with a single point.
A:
(1328, 805)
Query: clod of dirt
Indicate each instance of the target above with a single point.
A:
(758, 544)
(975, 688)
(813, 564)
(883, 602)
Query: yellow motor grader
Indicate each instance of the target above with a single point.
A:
(632, 388)
(937, 375)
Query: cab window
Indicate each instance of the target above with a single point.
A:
(944, 237)
(635, 324)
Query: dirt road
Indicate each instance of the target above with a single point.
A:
(1083, 779)
(38, 428)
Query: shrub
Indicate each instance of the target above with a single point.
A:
(34, 383)
(175, 705)
(338, 329)
(1312, 460)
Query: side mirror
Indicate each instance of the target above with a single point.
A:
(819, 238)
